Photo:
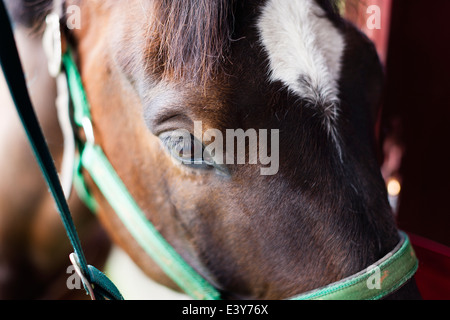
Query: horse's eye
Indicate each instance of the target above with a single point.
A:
(187, 149)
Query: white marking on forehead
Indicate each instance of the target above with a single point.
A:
(305, 51)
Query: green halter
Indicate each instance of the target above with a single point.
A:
(395, 269)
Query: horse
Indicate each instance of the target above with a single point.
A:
(152, 67)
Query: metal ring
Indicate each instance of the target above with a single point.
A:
(52, 43)
(74, 259)
(88, 130)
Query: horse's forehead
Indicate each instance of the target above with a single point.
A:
(304, 51)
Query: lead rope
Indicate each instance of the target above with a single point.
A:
(97, 285)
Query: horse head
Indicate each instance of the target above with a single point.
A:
(302, 204)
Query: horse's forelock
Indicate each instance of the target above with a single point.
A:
(192, 36)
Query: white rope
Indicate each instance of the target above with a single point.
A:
(52, 44)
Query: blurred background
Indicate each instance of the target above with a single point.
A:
(413, 135)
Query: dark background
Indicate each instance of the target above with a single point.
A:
(416, 112)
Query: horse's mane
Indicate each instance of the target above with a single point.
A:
(193, 36)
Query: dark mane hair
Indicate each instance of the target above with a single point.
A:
(192, 36)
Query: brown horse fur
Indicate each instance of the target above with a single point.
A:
(154, 66)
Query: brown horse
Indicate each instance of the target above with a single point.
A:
(151, 67)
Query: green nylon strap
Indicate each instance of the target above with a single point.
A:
(81, 188)
(392, 272)
(105, 177)
(81, 108)
(81, 111)
(104, 289)
(395, 269)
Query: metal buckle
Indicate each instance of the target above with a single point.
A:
(88, 130)
(76, 264)
(52, 44)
